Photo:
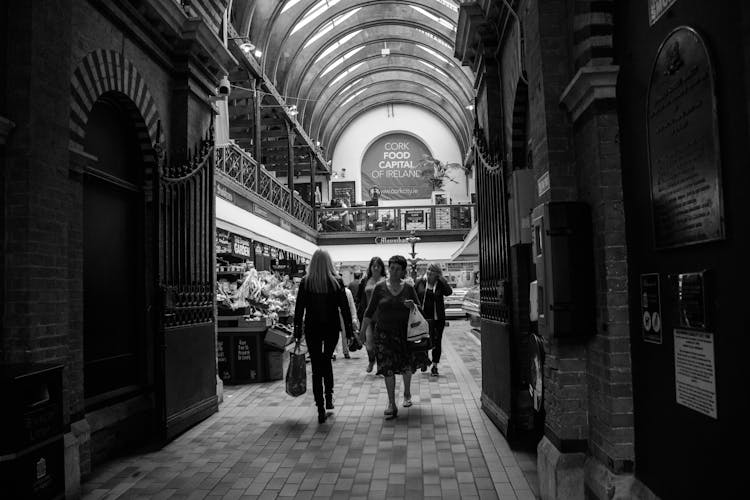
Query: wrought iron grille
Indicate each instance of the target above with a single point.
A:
(186, 227)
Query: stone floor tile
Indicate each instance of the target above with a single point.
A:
(264, 444)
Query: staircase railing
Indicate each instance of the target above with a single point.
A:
(236, 163)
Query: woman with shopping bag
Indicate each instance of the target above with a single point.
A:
(431, 288)
(320, 299)
(391, 302)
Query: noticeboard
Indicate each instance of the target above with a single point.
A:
(343, 190)
(683, 144)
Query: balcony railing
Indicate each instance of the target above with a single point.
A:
(427, 217)
(237, 164)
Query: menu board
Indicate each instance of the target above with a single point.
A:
(343, 191)
(683, 144)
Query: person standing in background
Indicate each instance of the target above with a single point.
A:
(431, 288)
(375, 274)
(353, 285)
(321, 297)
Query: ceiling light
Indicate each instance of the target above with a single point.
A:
(470, 107)
(247, 47)
(385, 52)
(258, 53)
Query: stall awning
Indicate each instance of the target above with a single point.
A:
(469, 249)
(233, 218)
(361, 254)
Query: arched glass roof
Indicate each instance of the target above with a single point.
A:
(336, 59)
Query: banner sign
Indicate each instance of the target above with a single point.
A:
(391, 164)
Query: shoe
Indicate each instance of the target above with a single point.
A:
(347, 356)
(391, 412)
(370, 365)
(333, 356)
(424, 368)
(434, 371)
(407, 402)
(329, 401)
(322, 416)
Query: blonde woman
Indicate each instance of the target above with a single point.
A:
(320, 300)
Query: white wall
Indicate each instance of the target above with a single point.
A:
(414, 120)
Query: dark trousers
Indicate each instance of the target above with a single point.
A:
(436, 336)
(321, 349)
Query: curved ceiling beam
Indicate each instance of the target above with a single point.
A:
(404, 54)
(380, 12)
(378, 32)
(350, 116)
(399, 77)
(381, 94)
(322, 87)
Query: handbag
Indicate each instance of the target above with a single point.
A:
(296, 373)
(418, 332)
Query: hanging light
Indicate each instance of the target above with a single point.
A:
(247, 47)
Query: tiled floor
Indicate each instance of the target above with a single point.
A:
(264, 444)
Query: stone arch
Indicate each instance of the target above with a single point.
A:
(103, 71)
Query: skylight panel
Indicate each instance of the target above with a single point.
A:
(434, 68)
(335, 45)
(290, 4)
(432, 91)
(448, 3)
(433, 53)
(354, 95)
(437, 19)
(351, 85)
(435, 38)
(314, 12)
(341, 59)
(330, 25)
(344, 73)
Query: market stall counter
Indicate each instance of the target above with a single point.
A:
(250, 338)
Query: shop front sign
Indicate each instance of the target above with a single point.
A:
(241, 246)
(683, 144)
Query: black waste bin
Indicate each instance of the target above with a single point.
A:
(31, 432)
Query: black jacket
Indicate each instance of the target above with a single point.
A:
(442, 289)
(321, 311)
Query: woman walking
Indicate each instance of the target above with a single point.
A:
(320, 299)
(391, 302)
(431, 288)
(375, 274)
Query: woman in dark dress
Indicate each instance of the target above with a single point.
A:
(320, 299)
(391, 302)
(375, 274)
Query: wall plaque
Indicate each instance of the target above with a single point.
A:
(650, 308)
(683, 144)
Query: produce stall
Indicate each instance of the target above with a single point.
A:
(251, 338)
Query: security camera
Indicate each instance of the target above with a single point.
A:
(224, 86)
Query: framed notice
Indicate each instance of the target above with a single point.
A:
(695, 371)
(343, 191)
(683, 144)
(651, 324)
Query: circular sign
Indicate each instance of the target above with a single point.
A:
(391, 167)
(647, 321)
(656, 320)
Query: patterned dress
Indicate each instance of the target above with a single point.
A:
(391, 349)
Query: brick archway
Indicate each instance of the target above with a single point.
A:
(104, 71)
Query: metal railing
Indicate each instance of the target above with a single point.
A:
(236, 163)
(405, 218)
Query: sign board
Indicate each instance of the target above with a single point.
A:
(656, 8)
(651, 324)
(342, 190)
(240, 246)
(683, 144)
(414, 219)
(690, 297)
(695, 371)
(223, 243)
(224, 192)
(391, 164)
(542, 184)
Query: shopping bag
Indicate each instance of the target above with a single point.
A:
(418, 332)
(296, 373)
